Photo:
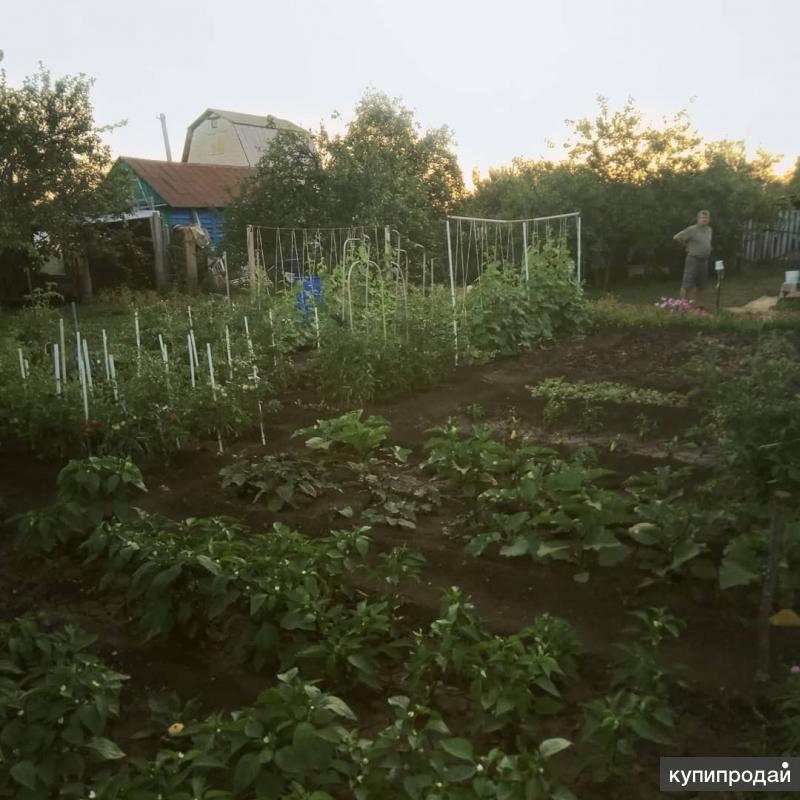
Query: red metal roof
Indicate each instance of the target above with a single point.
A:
(184, 185)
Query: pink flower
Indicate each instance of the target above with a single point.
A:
(795, 670)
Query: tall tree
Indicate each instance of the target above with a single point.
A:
(385, 170)
(382, 170)
(53, 169)
(288, 190)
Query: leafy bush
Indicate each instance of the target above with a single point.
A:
(293, 734)
(57, 703)
(346, 435)
(89, 491)
(505, 314)
(511, 680)
(559, 390)
(280, 480)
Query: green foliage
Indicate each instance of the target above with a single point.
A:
(528, 499)
(382, 169)
(511, 680)
(614, 727)
(57, 704)
(676, 531)
(639, 666)
(744, 556)
(279, 481)
(293, 734)
(280, 599)
(559, 391)
(636, 184)
(89, 491)
(53, 164)
(750, 407)
(506, 313)
(346, 435)
(417, 757)
(399, 340)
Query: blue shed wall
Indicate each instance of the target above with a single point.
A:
(210, 218)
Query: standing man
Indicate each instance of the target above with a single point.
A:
(697, 241)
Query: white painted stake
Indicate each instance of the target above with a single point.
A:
(22, 365)
(211, 371)
(213, 390)
(189, 312)
(227, 276)
(105, 357)
(316, 325)
(228, 349)
(87, 365)
(78, 351)
(84, 388)
(191, 359)
(62, 340)
(138, 343)
(113, 375)
(194, 350)
(261, 423)
(57, 369)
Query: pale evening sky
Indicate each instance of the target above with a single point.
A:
(504, 75)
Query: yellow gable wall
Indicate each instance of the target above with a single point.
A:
(216, 144)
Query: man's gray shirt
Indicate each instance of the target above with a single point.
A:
(697, 239)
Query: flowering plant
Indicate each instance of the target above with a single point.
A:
(681, 305)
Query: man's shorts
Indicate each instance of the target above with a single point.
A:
(695, 273)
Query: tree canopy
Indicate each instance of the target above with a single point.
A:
(636, 185)
(382, 170)
(53, 168)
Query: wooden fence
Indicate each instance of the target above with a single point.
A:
(777, 241)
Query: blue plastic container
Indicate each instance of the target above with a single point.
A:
(312, 288)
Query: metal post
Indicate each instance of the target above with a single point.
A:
(579, 248)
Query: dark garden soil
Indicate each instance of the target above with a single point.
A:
(716, 650)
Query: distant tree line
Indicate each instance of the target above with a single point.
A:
(635, 183)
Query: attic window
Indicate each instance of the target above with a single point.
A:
(214, 122)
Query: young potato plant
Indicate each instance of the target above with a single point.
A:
(674, 532)
(477, 460)
(548, 508)
(346, 436)
(278, 481)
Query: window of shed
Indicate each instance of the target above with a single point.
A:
(214, 123)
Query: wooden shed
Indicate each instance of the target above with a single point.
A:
(185, 194)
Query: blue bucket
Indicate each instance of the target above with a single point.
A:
(312, 288)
